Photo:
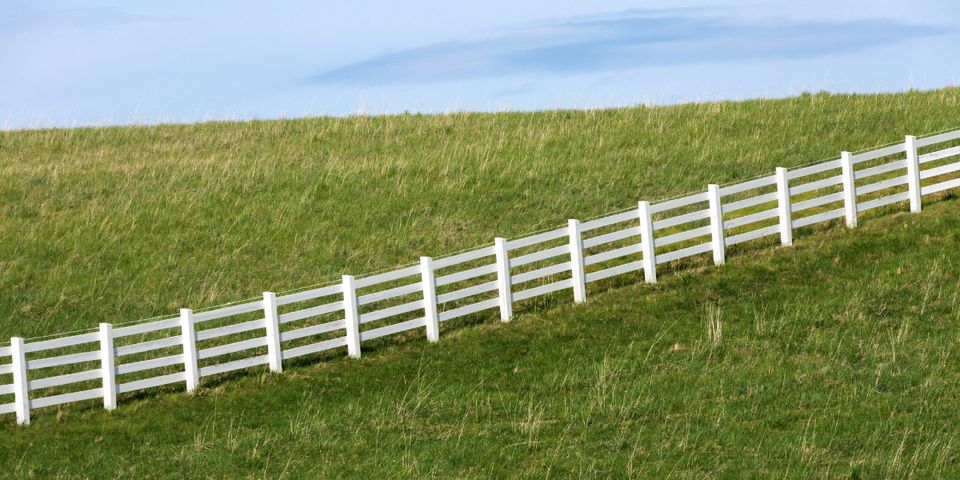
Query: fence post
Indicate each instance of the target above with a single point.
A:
(271, 318)
(430, 314)
(21, 387)
(647, 244)
(849, 188)
(108, 368)
(191, 368)
(913, 173)
(716, 224)
(503, 279)
(576, 261)
(351, 313)
(784, 207)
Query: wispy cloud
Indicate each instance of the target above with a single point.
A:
(625, 40)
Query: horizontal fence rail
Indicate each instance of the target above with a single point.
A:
(184, 349)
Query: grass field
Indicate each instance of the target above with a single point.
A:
(834, 358)
(119, 224)
(837, 358)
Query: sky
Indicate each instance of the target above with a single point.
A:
(107, 62)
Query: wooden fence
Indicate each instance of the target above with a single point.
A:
(185, 348)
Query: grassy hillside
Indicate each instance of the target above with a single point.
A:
(118, 224)
(835, 357)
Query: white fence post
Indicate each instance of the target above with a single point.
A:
(271, 318)
(503, 279)
(430, 314)
(784, 207)
(647, 244)
(191, 364)
(849, 188)
(576, 261)
(21, 387)
(108, 367)
(913, 173)
(716, 224)
(351, 313)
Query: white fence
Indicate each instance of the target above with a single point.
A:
(114, 360)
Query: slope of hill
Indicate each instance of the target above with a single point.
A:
(830, 358)
(120, 224)
(835, 358)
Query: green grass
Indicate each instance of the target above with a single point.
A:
(837, 360)
(836, 357)
(119, 224)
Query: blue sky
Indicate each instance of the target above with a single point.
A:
(67, 63)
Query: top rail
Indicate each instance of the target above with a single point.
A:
(749, 185)
(535, 239)
(678, 202)
(61, 342)
(228, 311)
(880, 152)
(813, 169)
(938, 138)
(142, 328)
(388, 276)
(309, 294)
(464, 257)
(609, 220)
